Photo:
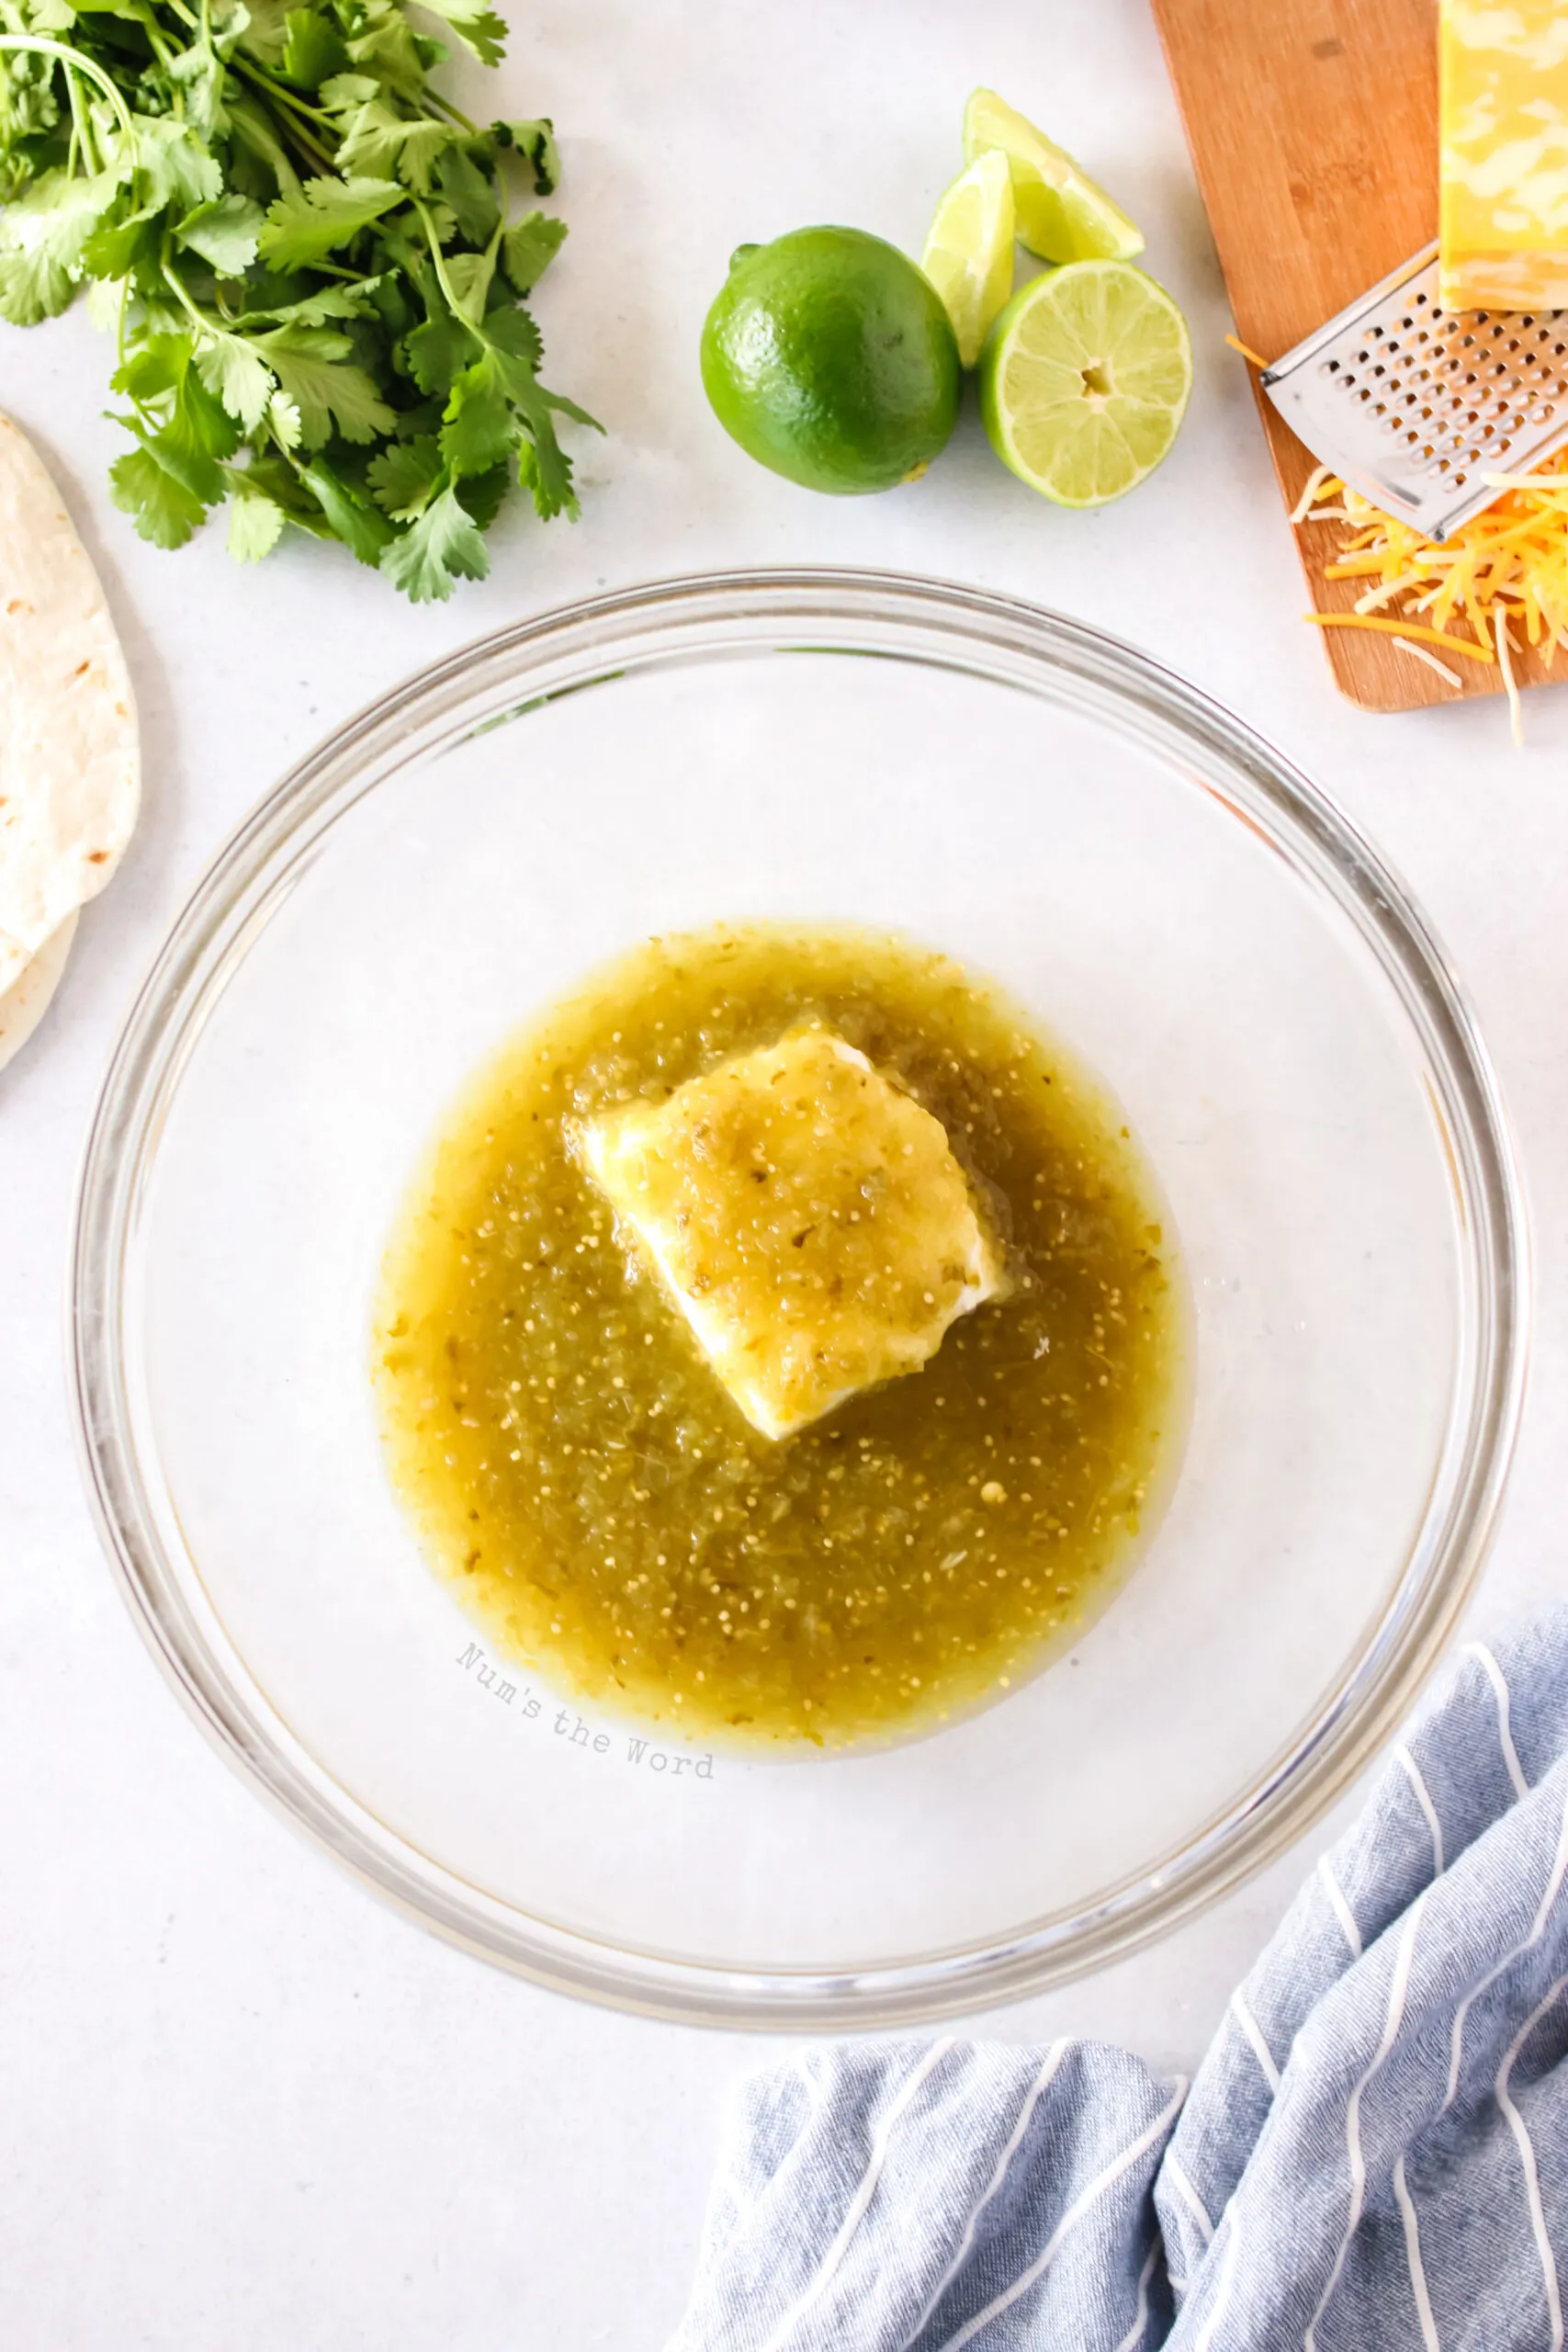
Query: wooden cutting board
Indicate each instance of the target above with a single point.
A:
(1314, 130)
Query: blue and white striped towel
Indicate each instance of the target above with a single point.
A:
(1373, 2156)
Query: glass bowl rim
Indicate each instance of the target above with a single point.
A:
(1008, 641)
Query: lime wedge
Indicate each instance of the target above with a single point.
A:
(968, 254)
(1062, 215)
(1084, 380)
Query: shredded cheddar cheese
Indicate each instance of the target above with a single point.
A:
(1501, 579)
(1421, 653)
(1246, 352)
(1402, 629)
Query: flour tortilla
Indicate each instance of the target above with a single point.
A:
(26, 1001)
(70, 762)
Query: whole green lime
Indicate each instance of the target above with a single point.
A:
(831, 358)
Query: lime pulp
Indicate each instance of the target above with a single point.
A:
(1063, 215)
(968, 254)
(1084, 381)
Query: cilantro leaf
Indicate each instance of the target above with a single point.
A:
(544, 467)
(115, 248)
(283, 420)
(470, 276)
(361, 526)
(470, 193)
(474, 23)
(33, 287)
(325, 214)
(255, 521)
(346, 90)
(158, 367)
(482, 493)
(535, 143)
(403, 476)
(528, 247)
(161, 508)
(199, 433)
(235, 371)
(563, 407)
(174, 167)
(388, 48)
(198, 74)
(443, 545)
(479, 430)
(325, 388)
(42, 239)
(439, 351)
(224, 233)
(514, 333)
(315, 310)
(266, 33)
(378, 139)
(313, 49)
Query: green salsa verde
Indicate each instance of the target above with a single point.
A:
(597, 1498)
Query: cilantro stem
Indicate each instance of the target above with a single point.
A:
(453, 114)
(192, 310)
(65, 54)
(300, 132)
(435, 254)
(279, 90)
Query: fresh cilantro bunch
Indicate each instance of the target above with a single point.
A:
(314, 264)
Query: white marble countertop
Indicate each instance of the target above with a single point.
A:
(244, 2105)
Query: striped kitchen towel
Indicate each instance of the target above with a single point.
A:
(1372, 2157)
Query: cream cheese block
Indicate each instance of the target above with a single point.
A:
(806, 1216)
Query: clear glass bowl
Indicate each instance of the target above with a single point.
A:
(1180, 904)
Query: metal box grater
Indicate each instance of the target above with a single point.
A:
(1415, 405)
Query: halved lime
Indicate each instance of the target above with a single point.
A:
(1084, 380)
(1062, 214)
(968, 254)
